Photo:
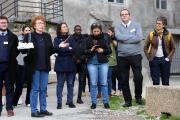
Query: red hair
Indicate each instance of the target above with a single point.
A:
(38, 18)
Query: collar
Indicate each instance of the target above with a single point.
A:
(127, 23)
(5, 33)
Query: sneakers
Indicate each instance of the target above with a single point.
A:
(10, 113)
(46, 113)
(93, 106)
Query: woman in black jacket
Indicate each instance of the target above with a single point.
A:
(97, 50)
(65, 64)
(38, 59)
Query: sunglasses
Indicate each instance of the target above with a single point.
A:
(96, 25)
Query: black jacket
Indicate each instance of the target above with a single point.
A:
(30, 59)
(102, 42)
(12, 54)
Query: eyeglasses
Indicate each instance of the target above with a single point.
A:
(3, 22)
(40, 23)
(124, 14)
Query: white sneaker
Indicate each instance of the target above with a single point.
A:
(113, 92)
(28, 105)
(3, 100)
(118, 93)
(20, 100)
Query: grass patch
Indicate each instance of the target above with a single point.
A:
(168, 117)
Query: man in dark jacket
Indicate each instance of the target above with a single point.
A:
(8, 63)
(80, 59)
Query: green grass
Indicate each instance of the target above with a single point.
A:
(166, 117)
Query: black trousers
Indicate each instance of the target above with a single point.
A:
(116, 76)
(159, 67)
(9, 87)
(23, 76)
(124, 64)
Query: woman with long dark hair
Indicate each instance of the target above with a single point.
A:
(97, 49)
(65, 64)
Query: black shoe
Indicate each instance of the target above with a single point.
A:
(79, 101)
(67, 103)
(106, 106)
(36, 114)
(93, 106)
(71, 105)
(59, 106)
(46, 113)
(139, 101)
(127, 104)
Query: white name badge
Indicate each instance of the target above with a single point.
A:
(133, 30)
(5, 43)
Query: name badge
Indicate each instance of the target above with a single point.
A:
(5, 43)
(133, 30)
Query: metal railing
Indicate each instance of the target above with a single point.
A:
(27, 8)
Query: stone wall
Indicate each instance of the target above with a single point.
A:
(163, 99)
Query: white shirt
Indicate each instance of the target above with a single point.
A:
(126, 24)
(5, 33)
(159, 52)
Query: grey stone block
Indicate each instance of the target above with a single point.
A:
(163, 99)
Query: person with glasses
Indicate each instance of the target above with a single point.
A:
(38, 58)
(8, 63)
(97, 49)
(65, 64)
(160, 53)
(22, 73)
(129, 37)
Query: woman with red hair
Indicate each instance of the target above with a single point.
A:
(38, 59)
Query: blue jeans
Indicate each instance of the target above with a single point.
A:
(61, 76)
(98, 73)
(39, 85)
(109, 80)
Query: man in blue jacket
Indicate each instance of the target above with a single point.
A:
(129, 37)
(8, 63)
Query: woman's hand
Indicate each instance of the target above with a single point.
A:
(99, 50)
(63, 44)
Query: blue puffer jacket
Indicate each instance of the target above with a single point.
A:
(65, 61)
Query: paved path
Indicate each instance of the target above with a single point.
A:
(81, 112)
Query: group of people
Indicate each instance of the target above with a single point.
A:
(101, 56)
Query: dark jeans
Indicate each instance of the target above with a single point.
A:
(116, 76)
(159, 67)
(124, 64)
(81, 69)
(9, 88)
(61, 77)
(84, 81)
(21, 78)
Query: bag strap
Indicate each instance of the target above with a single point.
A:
(150, 41)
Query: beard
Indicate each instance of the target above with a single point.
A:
(3, 30)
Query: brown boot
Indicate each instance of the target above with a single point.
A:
(10, 113)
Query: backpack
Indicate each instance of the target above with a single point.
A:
(151, 38)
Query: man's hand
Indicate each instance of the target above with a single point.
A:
(63, 44)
